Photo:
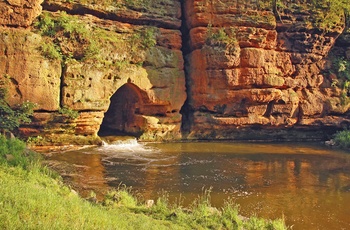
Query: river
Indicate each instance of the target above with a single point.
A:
(307, 184)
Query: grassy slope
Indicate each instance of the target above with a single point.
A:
(31, 200)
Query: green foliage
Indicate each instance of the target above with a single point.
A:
(11, 118)
(137, 3)
(230, 213)
(141, 5)
(148, 38)
(220, 36)
(120, 197)
(51, 50)
(121, 64)
(38, 140)
(264, 4)
(31, 199)
(162, 210)
(347, 21)
(13, 153)
(66, 32)
(3, 89)
(143, 39)
(330, 14)
(200, 215)
(133, 4)
(71, 114)
(324, 14)
(46, 25)
(342, 139)
(341, 68)
(69, 38)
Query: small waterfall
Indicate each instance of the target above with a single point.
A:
(126, 145)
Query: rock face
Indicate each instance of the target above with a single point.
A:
(132, 84)
(266, 82)
(19, 12)
(250, 73)
(29, 75)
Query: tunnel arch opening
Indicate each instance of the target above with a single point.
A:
(123, 117)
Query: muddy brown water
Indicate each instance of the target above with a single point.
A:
(307, 184)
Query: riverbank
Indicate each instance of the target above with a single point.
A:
(34, 197)
(33, 200)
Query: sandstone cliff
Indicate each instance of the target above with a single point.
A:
(267, 81)
(127, 68)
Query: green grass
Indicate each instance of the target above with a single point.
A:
(33, 197)
(30, 200)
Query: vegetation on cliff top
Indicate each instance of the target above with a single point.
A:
(323, 14)
(69, 38)
(43, 202)
(136, 4)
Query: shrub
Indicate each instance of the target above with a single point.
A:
(38, 140)
(342, 139)
(11, 118)
(341, 68)
(148, 38)
(220, 37)
(46, 25)
(71, 114)
(51, 50)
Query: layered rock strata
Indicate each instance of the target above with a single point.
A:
(252, 73)
(262, 79)
(94, 86)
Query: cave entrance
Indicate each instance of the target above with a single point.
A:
(123, 115)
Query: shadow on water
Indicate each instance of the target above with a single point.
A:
(306, 183)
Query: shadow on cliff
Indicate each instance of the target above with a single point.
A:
(122, 118)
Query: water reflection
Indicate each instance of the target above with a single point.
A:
(308, 184)
(82, 170)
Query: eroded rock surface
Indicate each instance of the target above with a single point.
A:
(124, 58)
(251, 73)
(266, 76)
(28, 75)
(19, 13)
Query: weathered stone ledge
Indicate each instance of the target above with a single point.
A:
(116, 14)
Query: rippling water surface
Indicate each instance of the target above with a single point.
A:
(308, 184)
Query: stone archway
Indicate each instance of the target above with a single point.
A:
(123, 115)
